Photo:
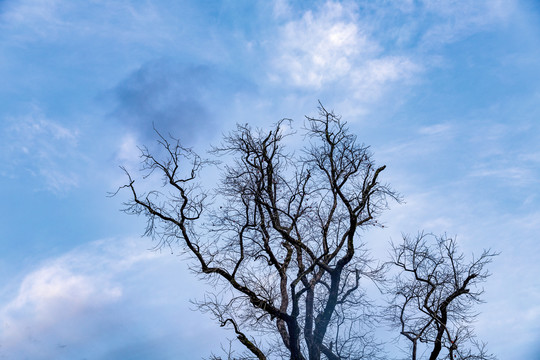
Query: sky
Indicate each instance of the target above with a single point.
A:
(445, 93)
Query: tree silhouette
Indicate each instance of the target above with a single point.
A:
(279, 237)
(433, 295)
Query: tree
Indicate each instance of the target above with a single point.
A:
(433, 295)
(280, 236)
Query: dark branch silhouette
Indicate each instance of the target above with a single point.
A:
(280, 240)
(433, 296)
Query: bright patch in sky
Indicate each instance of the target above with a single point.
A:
(446, 93)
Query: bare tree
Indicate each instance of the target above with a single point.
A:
(280, 238)
(433, 296)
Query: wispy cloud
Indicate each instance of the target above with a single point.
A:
(510, 175)
(35, 16)
(60, 20)
(435, 129)
(458, 19)
(506, 153)
(44, 148)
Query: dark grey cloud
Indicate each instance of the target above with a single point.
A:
(182, 99)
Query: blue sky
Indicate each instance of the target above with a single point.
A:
(445, 92)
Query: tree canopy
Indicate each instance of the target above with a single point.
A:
(280, 236)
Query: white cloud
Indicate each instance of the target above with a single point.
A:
(336, 44)
(62, 291)
(321, 46)
(330, 46)
(102, 296)
(52, 296)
